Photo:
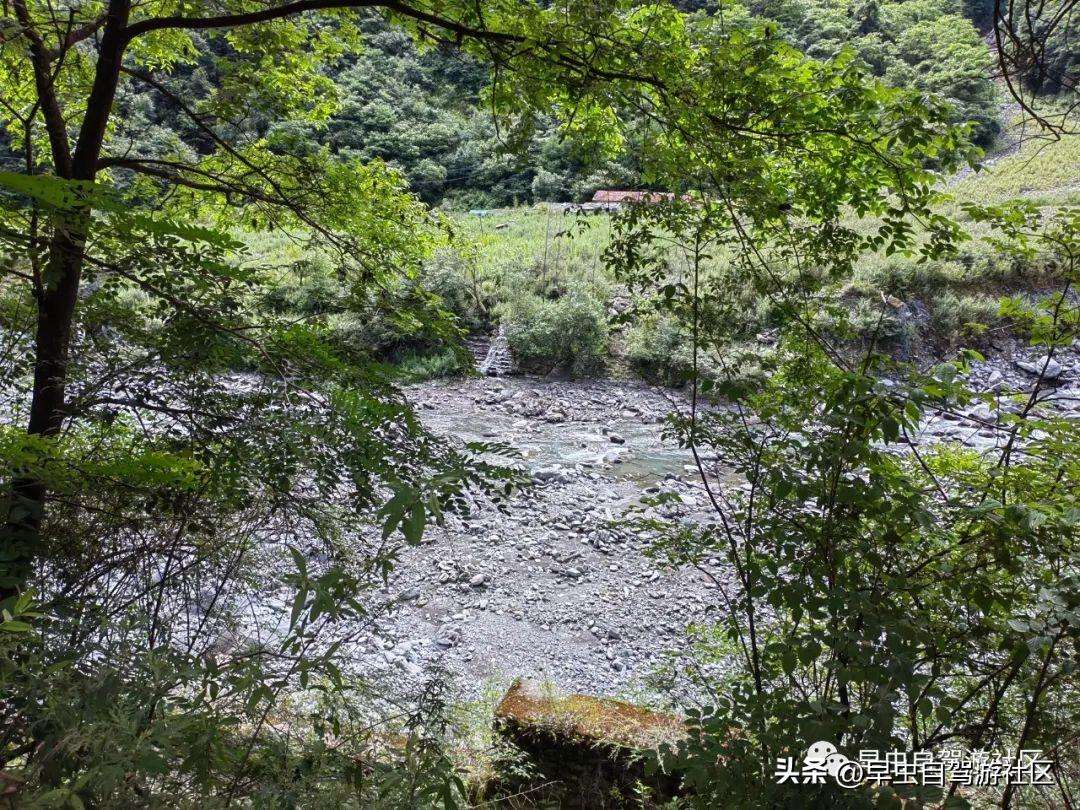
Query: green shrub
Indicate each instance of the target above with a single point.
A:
(416, 366)
(568, 334)
(308, 288)
(874, 320)
(658, 348)
(453, 274)
(360, 336)
(966, 318)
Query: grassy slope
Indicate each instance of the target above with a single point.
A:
(529, 253)
(525, 249)
(1046, 172)
(540, 241)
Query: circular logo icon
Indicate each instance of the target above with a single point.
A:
(819, 752)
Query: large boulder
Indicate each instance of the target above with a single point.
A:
(587, 751)
(551, 474)
(1046, 366)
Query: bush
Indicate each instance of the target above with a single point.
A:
(416, 366)
(309, 288)
(568, 334)
(963, 317)
(453, 274)
(658, 348)
(359, 335)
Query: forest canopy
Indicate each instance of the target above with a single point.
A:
(421, 107)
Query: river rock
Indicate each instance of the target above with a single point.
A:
(589, 748)
(1052, 367)
(556, 474)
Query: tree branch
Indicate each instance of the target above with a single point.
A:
(173, 172)
(303, 6)
(55, 124)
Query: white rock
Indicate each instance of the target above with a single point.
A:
(1052, 367)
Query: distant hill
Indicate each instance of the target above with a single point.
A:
(421, 110)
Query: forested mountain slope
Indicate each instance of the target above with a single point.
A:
(421, 108)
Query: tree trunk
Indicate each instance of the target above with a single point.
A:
(21, 542)
(56, 308)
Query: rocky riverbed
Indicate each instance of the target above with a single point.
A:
(553, 587)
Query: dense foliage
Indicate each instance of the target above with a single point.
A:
(175, 431)
(422, 108)
(882, 594)
(205, 255)
(928, 44)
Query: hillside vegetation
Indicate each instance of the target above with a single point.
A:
(421, 108)
(232, 231)
(543, 273)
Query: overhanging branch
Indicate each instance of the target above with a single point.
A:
(303, 6)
